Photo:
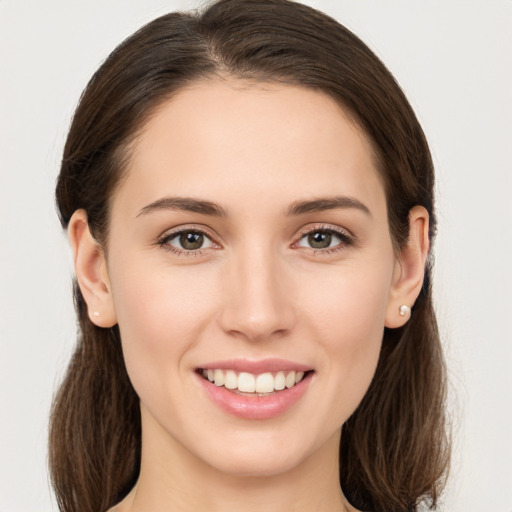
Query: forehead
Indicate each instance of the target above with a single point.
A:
(266, 139)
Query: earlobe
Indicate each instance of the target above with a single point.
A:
(91, 271)
(409, 269)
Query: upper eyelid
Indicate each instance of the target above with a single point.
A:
(326, 227)
(303, 231)
(172, 232)
(347, 238)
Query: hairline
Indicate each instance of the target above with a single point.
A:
(123, 153)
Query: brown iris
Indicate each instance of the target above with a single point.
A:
(191, 240)
(320, 239)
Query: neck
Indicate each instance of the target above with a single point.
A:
(174, 479)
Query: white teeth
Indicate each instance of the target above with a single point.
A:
(263, 383)
(246, 383)
(219, 377)
(279, 381)
(231, 381)
(290, 380)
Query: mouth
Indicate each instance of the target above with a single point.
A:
(250, 384)
(255, 390)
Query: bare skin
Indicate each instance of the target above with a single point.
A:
(252, 224)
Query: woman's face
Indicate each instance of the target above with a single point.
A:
(249, 240)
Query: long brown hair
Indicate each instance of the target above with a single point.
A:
(394, 448)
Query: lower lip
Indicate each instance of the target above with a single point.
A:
(255, 407)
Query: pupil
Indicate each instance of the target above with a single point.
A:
(319, 239)
(191, 241)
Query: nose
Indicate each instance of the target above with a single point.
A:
(258, 302)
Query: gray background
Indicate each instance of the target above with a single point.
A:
(454, 61)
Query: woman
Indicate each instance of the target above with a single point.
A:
(249, 200)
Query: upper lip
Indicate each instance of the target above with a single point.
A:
(256, 367)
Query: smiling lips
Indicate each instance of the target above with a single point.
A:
(255, 389)
(244, 382)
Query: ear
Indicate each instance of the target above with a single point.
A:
(409, 269)
(91, 271)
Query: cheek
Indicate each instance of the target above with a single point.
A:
(350, 304)
(160, 315)
(350, 320)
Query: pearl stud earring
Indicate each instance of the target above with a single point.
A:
(404, 310)
(95, 313)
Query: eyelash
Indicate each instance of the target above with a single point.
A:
(165, 239)
(346, 240)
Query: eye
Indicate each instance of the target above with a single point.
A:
(187, 240)
(321, 239)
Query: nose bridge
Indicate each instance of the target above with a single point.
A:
(257, 303)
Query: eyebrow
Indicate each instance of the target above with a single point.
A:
(327, 203)
(186, 204)
(189, 204)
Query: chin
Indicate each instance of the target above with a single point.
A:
(258, 465)
(265, 454)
